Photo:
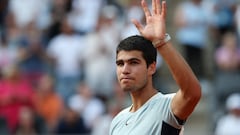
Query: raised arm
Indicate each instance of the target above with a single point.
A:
(189, 93)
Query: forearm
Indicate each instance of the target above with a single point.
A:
(180, 70)
(189, 93)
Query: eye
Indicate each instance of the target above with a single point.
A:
(134, 62)
(119, 63)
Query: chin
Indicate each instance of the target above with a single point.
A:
(129, 89)
(126, 88)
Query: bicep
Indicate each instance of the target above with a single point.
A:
(183, 105)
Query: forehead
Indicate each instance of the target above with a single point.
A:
(126, 55)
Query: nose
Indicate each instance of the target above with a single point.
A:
(126, 69)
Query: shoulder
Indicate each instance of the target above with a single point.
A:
(162, 101)
(163, 97)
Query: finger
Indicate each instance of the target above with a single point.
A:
(138, 25)
(154, 7)
(145, 9)
(164, 9)
(158, 7)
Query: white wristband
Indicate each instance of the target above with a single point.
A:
(161, 42)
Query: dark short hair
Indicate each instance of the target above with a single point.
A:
(141, 44)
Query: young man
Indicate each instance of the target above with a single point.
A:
(153, 113)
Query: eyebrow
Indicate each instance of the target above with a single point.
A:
(128, 60)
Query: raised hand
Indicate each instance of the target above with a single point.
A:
(155, 27)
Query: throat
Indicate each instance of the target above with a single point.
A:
(140, 100)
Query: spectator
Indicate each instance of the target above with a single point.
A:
(133, 10)
(71, 123)
(49, 104)
(8, 55)
(99, 53)
(229, 123)
(12, 33)
(227, 58)
(15, 92)
(86, 105)
(227, 55)
(32, 58)
(59, 9)
(28, 123)
(115, 104)
(192, 26)
(84, 15)
(65, 50)
(29, 10)
(102, 124)
(224, 11)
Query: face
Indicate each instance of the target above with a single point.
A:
(132, 71)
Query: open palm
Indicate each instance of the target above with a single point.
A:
(155, 21)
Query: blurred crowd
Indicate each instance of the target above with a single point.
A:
(211, 27)
(57, 60)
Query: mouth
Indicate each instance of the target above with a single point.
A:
(126, 79)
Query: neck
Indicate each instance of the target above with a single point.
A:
(139, 98)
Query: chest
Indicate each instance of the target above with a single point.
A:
(143, 123)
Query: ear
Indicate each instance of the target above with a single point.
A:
(152, 68)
